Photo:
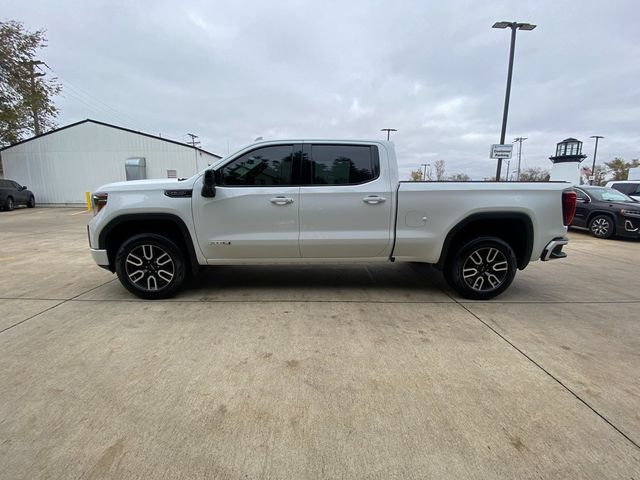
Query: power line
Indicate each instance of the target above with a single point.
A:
(95, 103)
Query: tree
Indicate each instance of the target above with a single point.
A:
(599, 174)
(24, 92)
(460, 177)
(415, 175)
(439, 166)
(534, 174)
(620, 169)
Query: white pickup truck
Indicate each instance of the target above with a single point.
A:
(324, 201)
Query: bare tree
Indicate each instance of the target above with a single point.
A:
(534, 174)
(460, 177)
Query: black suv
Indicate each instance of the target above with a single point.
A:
(605, 212)
(12, 194)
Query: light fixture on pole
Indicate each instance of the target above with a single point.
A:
(514, 26)
(388, 130)
(595, 152)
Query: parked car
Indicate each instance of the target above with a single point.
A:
(299, 201)
(628, 187)
(606, 212)
(13, 194)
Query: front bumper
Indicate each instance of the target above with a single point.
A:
(100, 257)
(553, 250)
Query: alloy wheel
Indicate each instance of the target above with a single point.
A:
(600, 227)
(149, 267)
(485, 269)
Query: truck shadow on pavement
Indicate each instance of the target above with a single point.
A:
(404, 280)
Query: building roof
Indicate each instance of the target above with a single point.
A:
(111, 126)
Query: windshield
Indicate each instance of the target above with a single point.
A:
(608, 195)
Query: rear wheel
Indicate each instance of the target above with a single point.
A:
(482, 268)
(601, 226)
(150, 266)
(9, 204)
(32, 202)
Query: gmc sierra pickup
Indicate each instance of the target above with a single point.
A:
(324, 201)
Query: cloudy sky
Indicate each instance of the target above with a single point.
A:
(232, 71)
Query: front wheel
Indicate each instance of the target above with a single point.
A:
(601, 226)
(482, 268)
(150, 266)
(32, 202)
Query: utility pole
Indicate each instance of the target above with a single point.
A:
(195, 144)
(595, 152)
(31, 65)
(519, 141)
(424, 174)
(388, 130)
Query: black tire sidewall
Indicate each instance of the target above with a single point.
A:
(169, 246)
(611, 226)
(454, 277)
(32, 202)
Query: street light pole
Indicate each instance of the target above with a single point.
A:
(513, 26)
(595, 152)
(388, 130)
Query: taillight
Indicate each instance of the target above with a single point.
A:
(98, 200)
(568, 207)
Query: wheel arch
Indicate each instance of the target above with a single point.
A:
(596, 213)
(122, 227)
(498, 224)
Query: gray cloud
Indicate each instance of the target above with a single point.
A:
(231, 71)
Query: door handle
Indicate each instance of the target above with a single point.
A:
(281, 200)
(374, 199)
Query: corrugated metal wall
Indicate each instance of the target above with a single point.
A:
(61, 166)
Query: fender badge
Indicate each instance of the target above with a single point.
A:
(220, 242)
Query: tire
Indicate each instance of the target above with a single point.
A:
(32, 202)
(151, 266)
(602, 226)
(489, 265)
(9, 204)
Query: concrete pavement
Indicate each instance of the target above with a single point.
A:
(372, 371)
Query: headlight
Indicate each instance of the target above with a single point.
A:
(98, 200)
(630, 213)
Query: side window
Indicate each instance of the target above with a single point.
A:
(580, 195)
(626, 188)
(261, 167)
(343, 164)
(4, 183)
(16, 185)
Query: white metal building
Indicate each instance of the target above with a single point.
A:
(61, 165)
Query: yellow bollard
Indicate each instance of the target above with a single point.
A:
(88, 198)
